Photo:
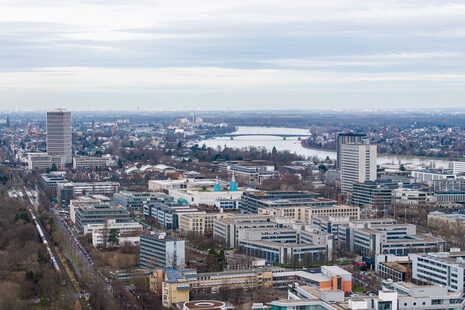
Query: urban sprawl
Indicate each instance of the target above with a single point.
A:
(140, 214)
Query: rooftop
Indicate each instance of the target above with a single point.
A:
(311, 290)
(282, 193)
(415, 239)
(175, 275)
(336, 270)
(204, 305)
(101, 207)
(397, 266)
(236, 272)
(294, 201)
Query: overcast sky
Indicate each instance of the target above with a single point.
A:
(231, 55)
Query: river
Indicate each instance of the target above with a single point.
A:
(294, 146)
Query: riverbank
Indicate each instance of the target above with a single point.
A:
(425, 157)
(293, 145)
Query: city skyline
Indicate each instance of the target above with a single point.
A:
(232, 56)
(189, 210)
(221, 155)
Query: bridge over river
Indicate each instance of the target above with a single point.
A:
(281, 135)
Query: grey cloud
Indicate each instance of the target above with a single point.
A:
(341, 45)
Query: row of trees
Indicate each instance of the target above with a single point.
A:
(201, 242)
(308, 260)
(204, 153)
(25, 271)
(452, 231)
(216, 260)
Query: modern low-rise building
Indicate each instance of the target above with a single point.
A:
(275, 239)
(228, 204)
(449, 184)
(70, 190)
(228, 228)
(411, 296)
(207, 305)
(250, 172)
(394, 267)
(204, 197)
(396, 271)
(431, 175)
(306, 213)
(450, 197)
(284, 253)
(92, 162)
(371, 238)
(160, 251)
(437, 218)
(164, 169)
(128, 232)
(327, 278)
(458, 167)
(52, 180)
(99, 214)
(286, 235)
(136, 201)
(85, 201)
(393, 296)
(44, 161)
(286, 245)
(186, 183)
(330, 224)
(199, 223)
(440, 268)
(253, 174)
(408, 196)
(252, 201)
(167, 213)
(177, 285)
(376, 194)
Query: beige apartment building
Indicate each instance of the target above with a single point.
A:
(198, 223)
(305, 213)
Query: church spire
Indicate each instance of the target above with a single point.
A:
(217, 187)
(233, 184)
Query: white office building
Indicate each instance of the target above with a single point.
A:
(458, 167)
(59, 134)
(128, 232)
(441, 268)
(91, 162)
(228, 228)
(358, 165)
(184, 184)
(429, 176)
(393, 296)
(379, 236)
(159, 251)
(204, 197)
(44, 161)
(408, 196)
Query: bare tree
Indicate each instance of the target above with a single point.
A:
(105, 233)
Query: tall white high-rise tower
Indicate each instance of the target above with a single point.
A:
(59, 134)
(358, 164)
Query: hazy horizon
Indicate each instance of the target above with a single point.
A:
(271, 110)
